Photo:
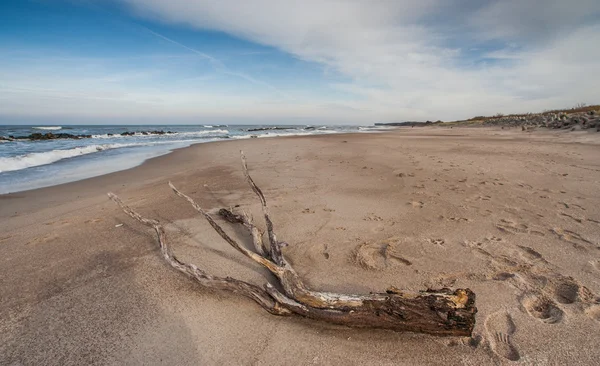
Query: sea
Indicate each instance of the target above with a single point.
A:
(28, 164)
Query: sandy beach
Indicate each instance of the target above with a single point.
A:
(512, 215)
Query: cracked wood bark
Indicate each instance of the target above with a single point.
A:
(441, 312)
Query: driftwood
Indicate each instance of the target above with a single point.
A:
(441, 312)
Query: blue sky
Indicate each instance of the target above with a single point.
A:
(268, 61)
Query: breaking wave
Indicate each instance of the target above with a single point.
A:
(48, 157)
(48, 128)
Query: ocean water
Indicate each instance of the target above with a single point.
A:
(28, 164)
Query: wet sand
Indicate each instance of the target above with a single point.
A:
(512, 215)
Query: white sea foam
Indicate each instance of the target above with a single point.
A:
(19, 162)
(50, 128)
(201, 133)
(42, 158)
(281, 134)
(296, 133)
(375, 128)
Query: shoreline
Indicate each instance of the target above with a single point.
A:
(391, 130)
(130, 175)
(159, 155)
(385, 130)
(28, 164)
(511, 215)
(116, 178)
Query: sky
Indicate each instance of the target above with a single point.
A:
(293, 62)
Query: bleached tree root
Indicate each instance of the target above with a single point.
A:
(441, 312)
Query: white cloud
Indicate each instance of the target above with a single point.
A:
(403, 60)
(533, 20)
(410, 59)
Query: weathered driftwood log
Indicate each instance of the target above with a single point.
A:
(441, 312)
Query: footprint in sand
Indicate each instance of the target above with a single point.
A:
(524, 185)
(378, 256)
(595, 264)
(474, 341)
(370, 256)
(572, 237)
(512, 227)
(325, 252)
(496, 183)
(593, 312)
(372, 217)
(571, 205)
(542, 308)
(56, 223)
(43, 239)
(502, 276)
(439, 242)
(572, 217)
(455, 219)
(567, 291)
(500, 327)
(93, 221)
(417, 204)
(450, 279)
(531, 254)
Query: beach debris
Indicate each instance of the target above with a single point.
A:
(118, 225)
(442, 312)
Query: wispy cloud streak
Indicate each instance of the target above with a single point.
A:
(218, 64)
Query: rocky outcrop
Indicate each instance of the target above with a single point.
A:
(55, 136)
(559, 120)
(50, 136)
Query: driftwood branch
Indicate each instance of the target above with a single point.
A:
(247, 221)
(441, 312)
(230, 284)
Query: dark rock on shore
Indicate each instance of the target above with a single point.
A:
(156, 132)
(54, 136)
(51, 136)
